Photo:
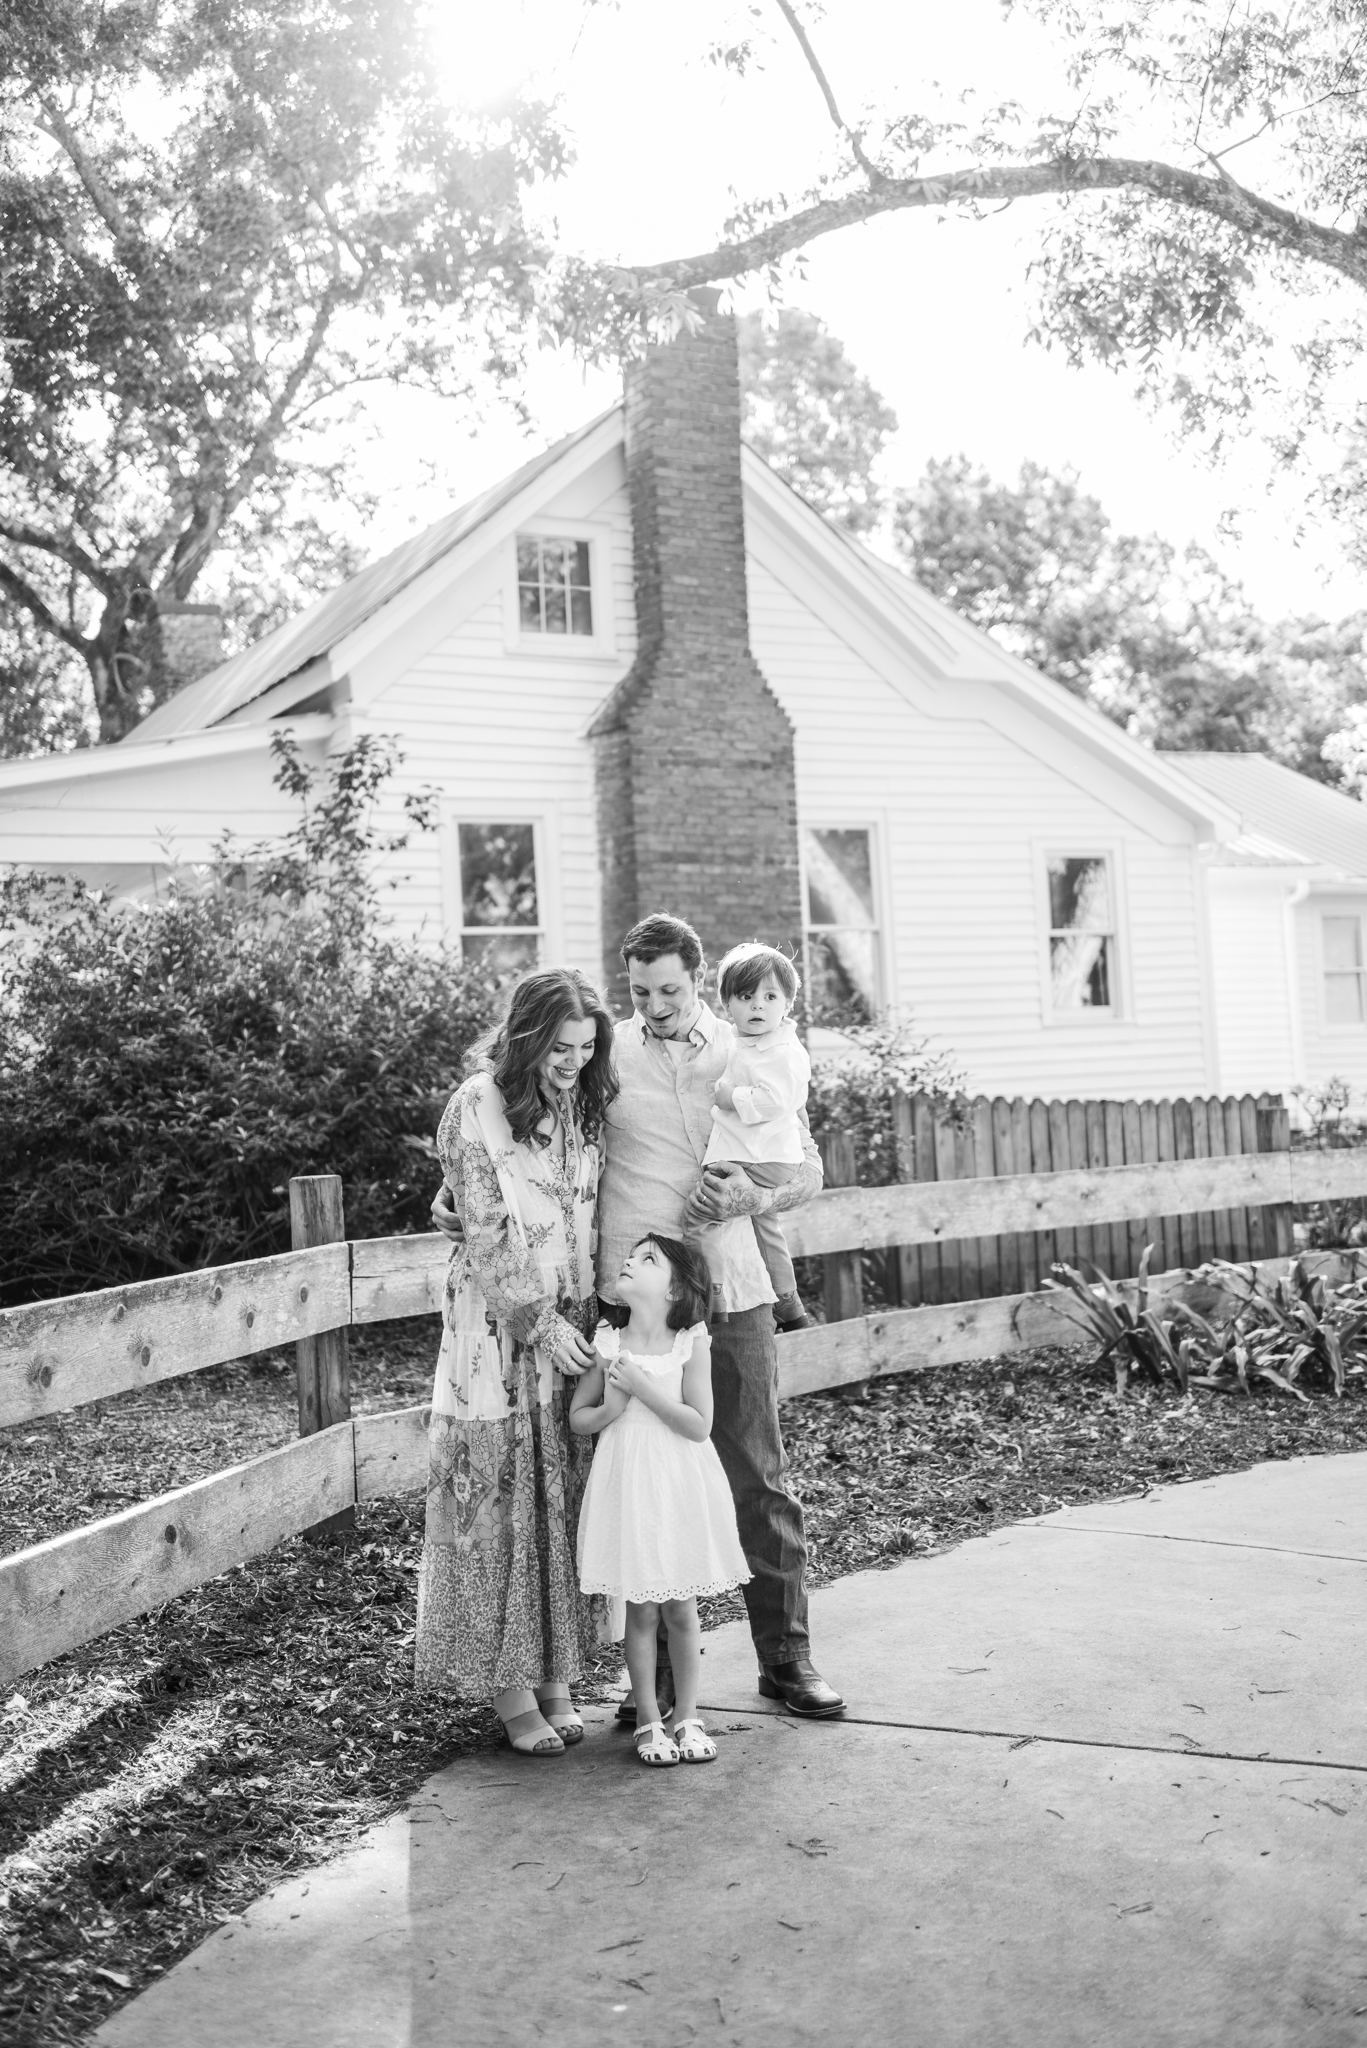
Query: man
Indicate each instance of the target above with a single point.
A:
(670, 1053)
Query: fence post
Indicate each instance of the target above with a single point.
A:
(321, 1363)
(842, 1273)
(1274, 1135)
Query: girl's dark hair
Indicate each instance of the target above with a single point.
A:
(690, 1298)
(745, 967)
(514, 1050)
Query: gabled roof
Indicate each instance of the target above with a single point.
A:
(315, 631)
(1302, 819)
(292, 663)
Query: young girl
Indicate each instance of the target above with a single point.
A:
(658, 1526)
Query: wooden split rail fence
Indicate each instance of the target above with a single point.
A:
(60, 1354)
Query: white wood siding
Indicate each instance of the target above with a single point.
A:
(965, 809)
(1252, 999)
(1328, 1050)
(155, 814)
(502, 736)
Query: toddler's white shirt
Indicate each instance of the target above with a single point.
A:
(770, 1083)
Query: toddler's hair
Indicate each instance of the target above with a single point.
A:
(746, 966)
(690, 1298)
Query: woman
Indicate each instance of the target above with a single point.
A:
(499, 1610)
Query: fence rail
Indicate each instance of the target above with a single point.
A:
(60, 1354)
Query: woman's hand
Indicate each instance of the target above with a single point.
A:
(445, 1217)
(572, 1355)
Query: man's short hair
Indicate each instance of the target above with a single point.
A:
(746, 966)
(660, 934)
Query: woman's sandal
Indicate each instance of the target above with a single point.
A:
(559, 1711)
(695, 1745)
(655, 1746)
(531, 1735)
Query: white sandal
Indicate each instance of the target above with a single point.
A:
(695, 1745)
(654, 1745)
(560, 1713)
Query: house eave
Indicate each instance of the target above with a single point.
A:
(129, 758)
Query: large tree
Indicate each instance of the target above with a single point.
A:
(815, 418)
(1162, 640)
(1204, 167)
(217, 217)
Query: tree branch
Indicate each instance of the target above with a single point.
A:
(23, 593)
(814, 65)
(196, 542)
(66, 551)
(1260, 219)
(103, 200)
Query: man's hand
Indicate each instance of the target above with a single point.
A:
(727, 1190)
(444, 1216)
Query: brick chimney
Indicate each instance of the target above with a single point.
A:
(693, 754)
(190, 641)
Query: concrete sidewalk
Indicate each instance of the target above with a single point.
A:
(1103, 1779)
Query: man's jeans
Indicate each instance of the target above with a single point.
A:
(746, 1433)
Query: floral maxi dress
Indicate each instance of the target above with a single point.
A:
(498, 1598)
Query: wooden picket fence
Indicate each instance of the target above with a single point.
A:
(999, 1137)
(60, 1354)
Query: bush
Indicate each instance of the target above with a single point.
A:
(165, 1069)
(855, 1092)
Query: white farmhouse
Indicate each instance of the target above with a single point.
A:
(569, 660)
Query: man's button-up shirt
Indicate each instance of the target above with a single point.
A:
(656, 1138)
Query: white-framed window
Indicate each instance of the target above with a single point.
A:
(1341, 946)
(844, 940)
(502, 923)
(554, 585)
(1083, 935)
(558, 598)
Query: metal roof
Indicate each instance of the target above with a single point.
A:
(1277, 804)
(303, 639)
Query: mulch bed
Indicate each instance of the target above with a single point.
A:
(156, 1782)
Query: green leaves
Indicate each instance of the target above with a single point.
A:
(1284, 1331)
(165, 1069)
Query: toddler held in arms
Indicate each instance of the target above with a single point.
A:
(658, 1525)
(755, 1116)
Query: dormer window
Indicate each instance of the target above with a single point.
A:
(554, 592)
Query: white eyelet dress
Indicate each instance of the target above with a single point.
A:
(658, 1521)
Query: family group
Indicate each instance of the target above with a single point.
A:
(605, 1442)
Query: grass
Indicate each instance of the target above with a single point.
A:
(155, 1783)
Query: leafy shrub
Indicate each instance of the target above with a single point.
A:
(856, 1091)
(165, 1069)
(1286, 1331)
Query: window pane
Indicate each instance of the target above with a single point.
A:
(1342, 944)
(844, 974)
(497, 875)
(1079, 896)
(839, 877)
(1343, 998)
(1080, 972)
(554, 594)
(500, 952)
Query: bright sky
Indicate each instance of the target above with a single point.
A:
(934, 309)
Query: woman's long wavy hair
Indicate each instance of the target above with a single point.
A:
(514, 1050)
